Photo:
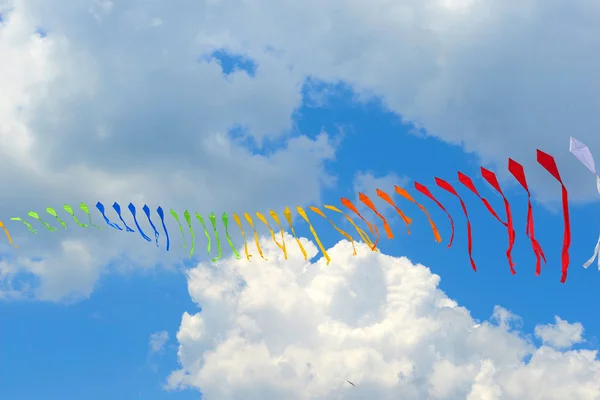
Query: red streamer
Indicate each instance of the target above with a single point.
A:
(491, 178)
(423, 189)
(549, 164)
(518, 172)
(446, 186)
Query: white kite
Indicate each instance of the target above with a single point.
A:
(583, 154)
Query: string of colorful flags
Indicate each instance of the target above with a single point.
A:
(578, 149)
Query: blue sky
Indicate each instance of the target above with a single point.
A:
(98, 346)
(112, 327)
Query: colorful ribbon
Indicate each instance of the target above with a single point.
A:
(288, 216)
(199, 218)
(176, 217)
(425, 191)
(27, 224)
(447, 187)
(161, 214)
(226, 223)
(436, 234)
(69, 210)
(52, 212)
(146, 210)
(518, 172)
(314, 233)
(363, 235)
(8, 234)
(239, 223)
(465, 180)
(366, 201)
(348, 204)
(318, 211)
(100, 208)
(281, 246)
(188, 219)
(583, 154)
(35, 215)
(549, 164)
(249, 219)
(387, 198)
(117, 209)
(133, 212)
(213, 222)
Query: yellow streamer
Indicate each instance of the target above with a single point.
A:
(318, 211)
(312, 230)
(239, 223)
(249, 219)
(282, 247)
(363, 235)
(288, 216)
(8, 235)
(276, 219)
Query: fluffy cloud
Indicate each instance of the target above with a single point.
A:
(561, 334)
(122, 98)
(87, 117)
(299, 329)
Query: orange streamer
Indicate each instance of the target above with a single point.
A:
(386, 197)
(348, 204)
(363, 235)
(366, 201)
(8, 234)
(402, 192)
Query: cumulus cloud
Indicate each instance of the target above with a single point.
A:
(297, 329)
(133, 118)
(562, 334)
(123, 101)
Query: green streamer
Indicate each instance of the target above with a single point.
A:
(70, 211)
(86, 210)
(225, 222)
(174, 214)
(27, 224)
(52, 212)
(213, 221)
(188, 219)
(35, 215)
(205, 232)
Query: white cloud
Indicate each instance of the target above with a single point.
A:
(133, 118)
(86, 111)
(299, 330)
(157, 341)
(561, 334)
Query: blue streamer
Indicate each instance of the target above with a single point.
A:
(117, 208)
(161, 214)
(132, 210)
(100, 208)
(147, 212)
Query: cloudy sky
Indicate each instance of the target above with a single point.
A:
(245, 106)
